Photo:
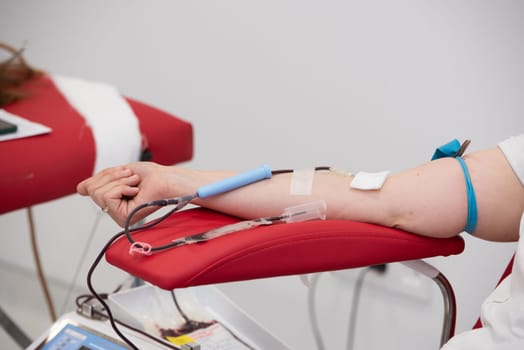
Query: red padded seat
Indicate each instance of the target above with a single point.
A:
(267, 251)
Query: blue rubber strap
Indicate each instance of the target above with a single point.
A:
(449, 150)
(471, 224)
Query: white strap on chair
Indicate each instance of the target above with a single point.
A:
(115, 126)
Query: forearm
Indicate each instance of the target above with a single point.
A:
(408, 200)
(272, 196)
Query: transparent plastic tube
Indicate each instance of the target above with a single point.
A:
(224, 230)
(304, 212)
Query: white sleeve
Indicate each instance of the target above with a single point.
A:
(502, 313)
(513, 149)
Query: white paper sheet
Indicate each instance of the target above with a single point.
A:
(26, 128)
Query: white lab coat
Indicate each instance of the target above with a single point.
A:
(502, 313)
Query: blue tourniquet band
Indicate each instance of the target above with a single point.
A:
(450, 150)
(471, 224)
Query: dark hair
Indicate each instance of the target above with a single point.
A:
(14, 71)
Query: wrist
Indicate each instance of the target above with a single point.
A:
(179, 181)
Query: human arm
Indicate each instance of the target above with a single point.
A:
(429, 199)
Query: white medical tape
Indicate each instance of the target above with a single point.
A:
(369, 181)
(113, 123)
(338, 171)
(302, 182)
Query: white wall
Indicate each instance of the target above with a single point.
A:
(363, 85)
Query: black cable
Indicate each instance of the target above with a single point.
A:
(95, 264)
(127, 231)
(179, 202)
(160, 341)
(85, 298)
(102, 315)
(182, 313)
(99, 298)
(284, 171)
(160, 203)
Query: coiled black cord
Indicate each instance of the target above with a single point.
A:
(84, 298)
(95, 264)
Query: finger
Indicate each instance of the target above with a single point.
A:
(88, 186)
(117, 207)
(114, 191)
(83, 186)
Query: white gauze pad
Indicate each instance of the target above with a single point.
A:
(369, 181)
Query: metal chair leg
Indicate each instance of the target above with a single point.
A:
(450, 306)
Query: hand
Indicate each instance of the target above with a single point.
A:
(119, 190)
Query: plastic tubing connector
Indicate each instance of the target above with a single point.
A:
(233, 182)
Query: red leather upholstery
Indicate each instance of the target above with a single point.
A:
(46, 167)
(267, 251)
